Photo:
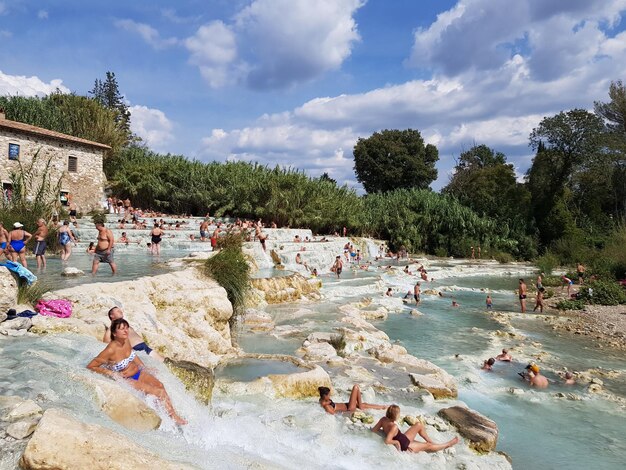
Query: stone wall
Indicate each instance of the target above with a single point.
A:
(86, 185)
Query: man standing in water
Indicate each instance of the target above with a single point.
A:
(204, 229)
(104, 249)
(40, 243)
(522, 295)
(337, 266)
(417, 290)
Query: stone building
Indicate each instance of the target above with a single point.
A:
(78, 162)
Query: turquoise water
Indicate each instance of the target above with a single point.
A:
(536, 428)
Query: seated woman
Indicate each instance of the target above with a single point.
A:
(354, 402)
(119, 360)
(405, 441)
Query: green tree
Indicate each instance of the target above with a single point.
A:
(394, 159)
(107, 93)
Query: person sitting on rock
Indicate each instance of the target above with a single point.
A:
(406, 441)
(119, 360)
(137, 343)
(353, 403)
(505, 356)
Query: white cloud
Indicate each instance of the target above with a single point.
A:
(28, 86)
(296, 40)
(276, 43)
(5, 34)
(149, 34)
(152, 125)
(554, 35)
(214, 50)
(42, 14)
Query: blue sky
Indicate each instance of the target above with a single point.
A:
(297, 82)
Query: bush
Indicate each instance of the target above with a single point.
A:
(551, 281)
(547, 262)
(441, 252)
(570, 304)
(605, 292)
(30, 294)
(231, 271)
(548, 293)
(502, 257)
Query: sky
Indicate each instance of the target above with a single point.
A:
(297, 82)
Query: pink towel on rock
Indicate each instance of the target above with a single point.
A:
(54, 308)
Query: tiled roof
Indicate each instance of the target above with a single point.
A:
(27, 128)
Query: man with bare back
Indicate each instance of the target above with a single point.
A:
(104, 249)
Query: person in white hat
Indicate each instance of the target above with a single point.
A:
(18, 238)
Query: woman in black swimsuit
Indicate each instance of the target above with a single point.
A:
(354, 402)
(155, 234)
(405, 441)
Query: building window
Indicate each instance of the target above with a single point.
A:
(72, 164)
(14, 152)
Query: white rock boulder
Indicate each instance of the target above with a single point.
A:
(61, 442)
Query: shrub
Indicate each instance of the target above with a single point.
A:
(547, 262)
(570, 304)
(502, 257)
(441, 252)
(31, 294)
(605, 292)
(231, 271)
(548, 293)
(551, 281)
(339, 343)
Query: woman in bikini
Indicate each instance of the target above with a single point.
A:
(18, 238)
(405, 441)
(119, 360)
(353, 403)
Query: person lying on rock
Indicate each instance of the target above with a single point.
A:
(352, 404)
(406, 441)
(118, 359)
(136, 341)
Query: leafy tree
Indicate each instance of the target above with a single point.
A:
(107, 93)
(70, 114)
(614, 112)
(394, 159)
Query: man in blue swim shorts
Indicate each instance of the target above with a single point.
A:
(136, 341)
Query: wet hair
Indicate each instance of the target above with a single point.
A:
(324, 391)
(110, 312)
(491, 361)
(521, 280)
(393, 412)
(505, 351)
(116, 326)
(568, 375)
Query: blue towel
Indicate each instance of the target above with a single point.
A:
(20, 270)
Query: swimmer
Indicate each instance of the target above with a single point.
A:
(389, 292)
(534, 377)
(455, 303)
(569, 378)
(119, 360)
(504, 356)
(406, 441)
(353, 403)
(489, 302)
(488, 364)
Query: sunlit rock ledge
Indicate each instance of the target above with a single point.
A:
(183, 314)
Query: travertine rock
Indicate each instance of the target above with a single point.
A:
(476, 428)
(60, 442)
